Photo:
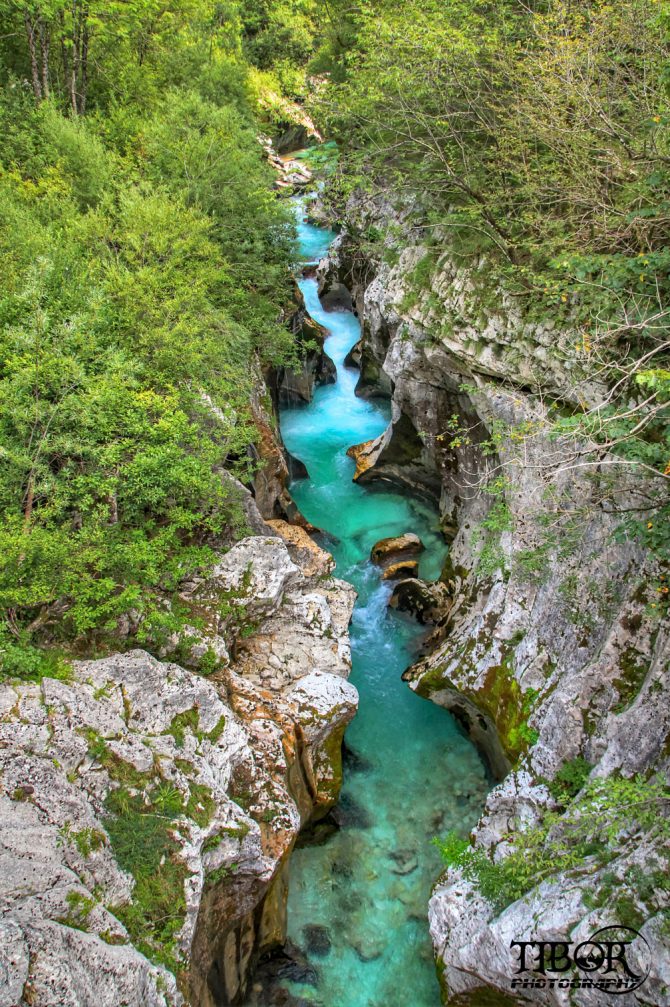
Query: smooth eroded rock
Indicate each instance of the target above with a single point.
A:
(403, 568)
(408, 544)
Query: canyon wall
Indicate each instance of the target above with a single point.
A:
(149, 812)
(552, 645)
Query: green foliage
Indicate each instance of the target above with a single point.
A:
(142, 843)
(201, 805)
(610, 817)
(181, 722)
(146, 269)
(219, 874)
(535, 139)
(497, 521)
(80, 907)
(570, 779)
(278, 35)
(217, 731)
(141, 824)
(88, 840)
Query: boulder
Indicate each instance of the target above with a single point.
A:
(235, 763)
(313, 561)
(428, 603)
(388, 549)
(402, 569)
(353, 357)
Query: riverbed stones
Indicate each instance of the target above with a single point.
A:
(367, 948)
(317, 939)
(349, 814)
(405, 861)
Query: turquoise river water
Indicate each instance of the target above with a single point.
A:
(358, 902)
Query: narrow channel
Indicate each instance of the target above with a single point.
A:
(358, 901)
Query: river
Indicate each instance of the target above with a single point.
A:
(358, 902)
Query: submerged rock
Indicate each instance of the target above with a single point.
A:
(405, 861)
(317, 833)
(287, 963)
(348, 814)
(353, 761)
(368, 948)
(317, 939)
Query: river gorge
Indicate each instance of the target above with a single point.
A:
(357, 902)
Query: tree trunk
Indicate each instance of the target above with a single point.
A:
(63, 50)
(72, 83)
(34, 68)
(83, 76)
(44, 49)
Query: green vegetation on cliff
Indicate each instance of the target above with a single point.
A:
(531, 138)
(604, 824)
(145, 262)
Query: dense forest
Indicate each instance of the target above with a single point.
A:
(145, 266)
(145, 260)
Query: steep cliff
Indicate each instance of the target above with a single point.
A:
(552, 644)
(148, 812)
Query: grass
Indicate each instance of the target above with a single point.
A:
(570, 779)
(189, 719)
(201, 805)
(140, 835)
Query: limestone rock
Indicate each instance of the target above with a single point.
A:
(242, 760)
(353, 357)
(428, 603)
(403, 568)
(553, 650)
(312, 560)
(408, 544)
(269, 484)
(316, 367)
(364, 455)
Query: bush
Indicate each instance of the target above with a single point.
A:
(611, 817)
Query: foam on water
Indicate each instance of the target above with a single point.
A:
(414, 775)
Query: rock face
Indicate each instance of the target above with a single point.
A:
(428, 603)
(553, 645)
(291, 386)
(137, 789)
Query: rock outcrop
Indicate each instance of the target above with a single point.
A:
(396, 547)
(148, 812)
(403, 568)
(555, 639)
(291, 385)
